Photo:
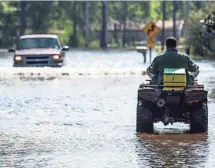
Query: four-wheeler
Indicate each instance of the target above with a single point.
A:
(173, 100)
(39, 50)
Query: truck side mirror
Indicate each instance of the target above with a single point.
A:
(65, 48)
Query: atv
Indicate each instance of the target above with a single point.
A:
(174, 100)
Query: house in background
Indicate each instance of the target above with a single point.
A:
(133, 32)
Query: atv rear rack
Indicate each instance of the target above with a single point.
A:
(162, 86)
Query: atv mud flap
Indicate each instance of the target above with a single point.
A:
(149, 94)
(195, 95)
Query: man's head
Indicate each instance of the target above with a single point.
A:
(171, 42)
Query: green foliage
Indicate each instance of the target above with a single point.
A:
(138, 11)
(8, 23)
(8, 8)
(155, 10)
(38, 13)
(81, 40)
(94, 44)
(193, 33)
(67, 31)
(61, 16)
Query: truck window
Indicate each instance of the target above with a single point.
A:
(30, 43)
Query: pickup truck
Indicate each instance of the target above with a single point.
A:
(39, 50)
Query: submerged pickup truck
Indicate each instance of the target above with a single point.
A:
(39, 50)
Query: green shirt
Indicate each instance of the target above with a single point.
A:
(171, 59)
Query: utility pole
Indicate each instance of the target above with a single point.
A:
(163, 24)
(103, 42)
(22, 17)
(86, 27)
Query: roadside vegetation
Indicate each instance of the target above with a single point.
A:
(194, 32)
(68, 19)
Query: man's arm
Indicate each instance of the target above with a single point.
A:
(151, 70)
(192, 67)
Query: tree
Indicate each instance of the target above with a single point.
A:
(124, 36)
(103, 42)
(74, 39)
(22, 17)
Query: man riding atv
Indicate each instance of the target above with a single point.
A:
(171, 59)
(172, 95)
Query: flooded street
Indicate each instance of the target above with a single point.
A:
(87, 120)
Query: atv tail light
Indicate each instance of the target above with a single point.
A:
(18, 58)
(56, 57)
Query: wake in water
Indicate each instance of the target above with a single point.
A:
(46, 73)
(8, 72)
(79, 63)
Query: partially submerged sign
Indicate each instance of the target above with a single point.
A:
(151, 43)
(151, 29)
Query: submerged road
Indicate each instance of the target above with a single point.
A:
(84, 121)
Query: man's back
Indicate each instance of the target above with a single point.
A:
(170, 59)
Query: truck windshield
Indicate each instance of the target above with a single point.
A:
(30, 43)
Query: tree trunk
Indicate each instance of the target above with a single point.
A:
(174, 18)
(124, 24)
(74, 39)
(86, 26)
(22, 17)
(187, 10)
(115, 34)
(103, 42)
(163, 25)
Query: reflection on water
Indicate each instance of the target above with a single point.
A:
(172, 149)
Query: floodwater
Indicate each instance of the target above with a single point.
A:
(86, 119)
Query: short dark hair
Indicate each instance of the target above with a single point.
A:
(171, 42)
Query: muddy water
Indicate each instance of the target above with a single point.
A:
(89, 120)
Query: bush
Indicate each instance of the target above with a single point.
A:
(67, 31)
(193, 33)
(94, 44)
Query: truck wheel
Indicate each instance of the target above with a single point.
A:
(144, 118)
(199, 118)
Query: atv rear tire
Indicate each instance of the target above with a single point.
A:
(144, 120)
(199, 118)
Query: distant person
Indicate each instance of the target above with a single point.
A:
(171, 58)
